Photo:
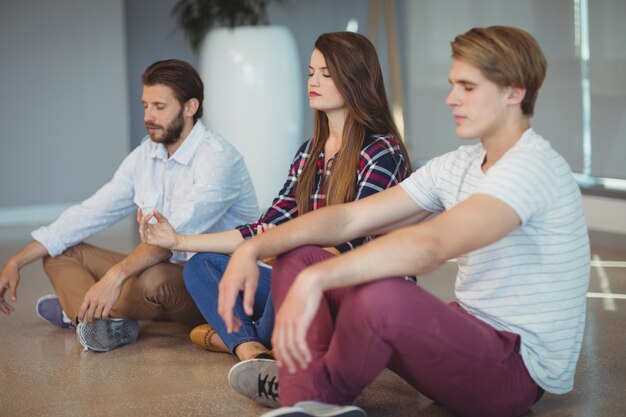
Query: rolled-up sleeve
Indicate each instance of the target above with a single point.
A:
(108, 205)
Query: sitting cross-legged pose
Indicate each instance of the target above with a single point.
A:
(508, 209)
(355, 152)
(181, 168)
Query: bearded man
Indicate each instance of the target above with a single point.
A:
(184, 170)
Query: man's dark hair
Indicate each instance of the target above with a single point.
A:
(181, 77)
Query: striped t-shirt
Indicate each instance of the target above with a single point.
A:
(533, 282)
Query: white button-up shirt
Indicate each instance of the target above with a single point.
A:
(204, 187)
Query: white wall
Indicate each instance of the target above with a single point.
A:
(151, 35)
(64, 92)
(63, 101)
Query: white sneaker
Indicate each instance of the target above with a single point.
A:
(256, 379)
(316, 409)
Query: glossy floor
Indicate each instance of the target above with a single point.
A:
(45, 372)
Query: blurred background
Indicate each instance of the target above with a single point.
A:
(70, 87)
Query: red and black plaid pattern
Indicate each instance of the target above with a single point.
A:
(381, 166)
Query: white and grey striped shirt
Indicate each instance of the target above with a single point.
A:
(533, 282)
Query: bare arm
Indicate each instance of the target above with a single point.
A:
(417, 249)
(161, 233)
(329, 226)
(104, 294)
(10, 273)
(422, 248)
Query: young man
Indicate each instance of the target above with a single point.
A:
(181, 168)
(510, 212)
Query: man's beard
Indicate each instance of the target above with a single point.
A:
(172, 133)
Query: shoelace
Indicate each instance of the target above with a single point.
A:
(272, 387)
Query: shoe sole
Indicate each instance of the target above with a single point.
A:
(346, 411)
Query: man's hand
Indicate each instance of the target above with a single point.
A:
(293, 321)
(159, 233)
(9, 279)
(10, 273)
(242, 274)
(100, 298)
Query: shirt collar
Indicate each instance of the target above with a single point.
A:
(187, 149)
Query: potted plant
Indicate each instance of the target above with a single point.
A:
(197, 17)
(253, 83)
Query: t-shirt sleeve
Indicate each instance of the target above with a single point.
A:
(524, 180)
(422, 186)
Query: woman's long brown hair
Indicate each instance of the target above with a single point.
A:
(353, 65)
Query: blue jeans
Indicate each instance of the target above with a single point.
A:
(203, 274)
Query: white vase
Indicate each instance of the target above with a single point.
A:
(253, 97)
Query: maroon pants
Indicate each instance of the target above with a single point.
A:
(442, 351)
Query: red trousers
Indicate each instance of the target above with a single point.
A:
(444, 352)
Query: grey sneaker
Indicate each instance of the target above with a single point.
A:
(49, 309)
(104, 335)
(256, 379)
(317, 409)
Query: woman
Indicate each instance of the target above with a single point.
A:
(355, 151)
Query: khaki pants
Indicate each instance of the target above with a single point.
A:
(157, 293)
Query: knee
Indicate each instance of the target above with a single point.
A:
(289, 264)
(191, 269)
(46, 261)
(74, 253)
(379, 301)
(155, 279)
(204, 268)
(368, 297)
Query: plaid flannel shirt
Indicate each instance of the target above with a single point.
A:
(381, 166)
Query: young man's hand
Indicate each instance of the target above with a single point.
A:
(293, 321)
(242, 274)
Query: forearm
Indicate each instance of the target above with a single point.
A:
(407, 251)
(333, 225)
(323, 227)
(143, 257)
(28, 254)
(223, 242)
(421, 248)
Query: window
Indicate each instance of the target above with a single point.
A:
(581, 107)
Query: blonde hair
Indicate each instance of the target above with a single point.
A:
(508, 56)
